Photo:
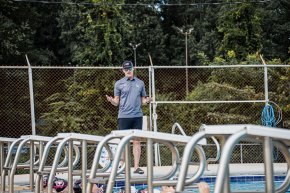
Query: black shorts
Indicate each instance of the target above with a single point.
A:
(130, 123)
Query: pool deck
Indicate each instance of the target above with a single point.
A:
(235, 170)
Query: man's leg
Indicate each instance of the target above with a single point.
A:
(123, 124)
(136, 153)
(137, 147)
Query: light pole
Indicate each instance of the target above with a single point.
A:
(135, 46)
(186, 33)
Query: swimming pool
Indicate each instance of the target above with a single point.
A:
(258, 186)
(238, 183)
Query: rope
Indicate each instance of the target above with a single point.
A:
(268, 119)
(268, 116)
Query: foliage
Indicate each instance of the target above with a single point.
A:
(83, 34)
(93, 35)
(240, 27)
(222, 113)
(99, 35)
(27, 33)
(276, 30)
(82, 106)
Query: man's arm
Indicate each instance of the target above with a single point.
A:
(114, 101)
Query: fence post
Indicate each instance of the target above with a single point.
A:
(241, 152)
(31, 96)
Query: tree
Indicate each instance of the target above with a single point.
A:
(145, 28)
(82, 106)
(276, 29)
(240, 26)
(27, 33)
(93, 35)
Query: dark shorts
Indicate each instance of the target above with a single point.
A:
(130, 123)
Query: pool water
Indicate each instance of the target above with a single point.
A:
(238, 183)
(258, 186)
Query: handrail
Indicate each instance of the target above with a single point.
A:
(96, 159)
(8, 142)
(204, 131)
(7, 162)
(284, 150)
(22, 141)
(253, 130)
(44, 159)
(73, 137)
(177, 125)
(187, 153)
(223, 167)
(128, 135)
(4, 143)
(236, 132)
(193, 178)
(218, 153)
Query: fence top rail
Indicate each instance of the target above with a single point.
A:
(227, 66)
(208, 102)
(71, 67)
(146, 67)
(156, 135)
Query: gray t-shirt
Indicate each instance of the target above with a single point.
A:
(130, 93)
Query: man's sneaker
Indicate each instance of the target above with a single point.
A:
(138, 171)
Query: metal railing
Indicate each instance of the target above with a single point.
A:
(149, 137)
(5, 143)
(230, 135)
(12, 163)
(70, 139)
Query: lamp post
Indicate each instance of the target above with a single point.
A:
(134, 47)
(186, 33)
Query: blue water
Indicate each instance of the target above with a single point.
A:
(243, 183)
(258, 186)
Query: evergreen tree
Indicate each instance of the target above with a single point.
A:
(145, 28)
(240, 26)
(276, 29)
(93, 34)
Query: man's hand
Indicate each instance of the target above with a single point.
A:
(113, 101)
(148, 100)
(109, 98)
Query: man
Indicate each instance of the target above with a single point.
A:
(130, 95)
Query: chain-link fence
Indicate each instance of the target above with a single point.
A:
(72, 99)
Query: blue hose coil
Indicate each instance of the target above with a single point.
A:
(268, 116)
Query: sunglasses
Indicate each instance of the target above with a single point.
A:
(128, 69)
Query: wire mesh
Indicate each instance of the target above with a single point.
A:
(73, 100)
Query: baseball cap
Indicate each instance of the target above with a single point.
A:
(127, 65)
